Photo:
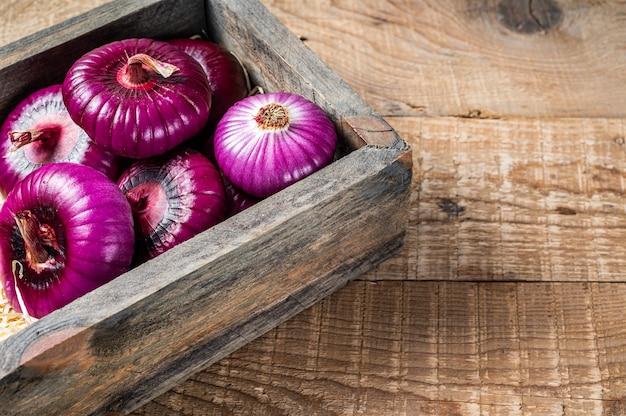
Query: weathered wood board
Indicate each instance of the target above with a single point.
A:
(514, 200)
(471, 58)
(441, 328)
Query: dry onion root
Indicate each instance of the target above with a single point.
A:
(11, 321)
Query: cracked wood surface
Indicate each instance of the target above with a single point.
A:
(507, 298)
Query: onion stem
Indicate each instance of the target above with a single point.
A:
(162, 68)
(22, 138)
(245, 73)
(39, 241)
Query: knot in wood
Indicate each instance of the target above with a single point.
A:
(529, 16)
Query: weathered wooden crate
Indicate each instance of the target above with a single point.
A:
(138, 336)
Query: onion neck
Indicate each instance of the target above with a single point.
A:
(40, 242)
(148, 203)
(272, 116)
(138, 200)
(141, 71)
(22, 138)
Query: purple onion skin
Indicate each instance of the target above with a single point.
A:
(173, 197)
(262, 160)
(93, 225)
(227, 79)
(144, 119)
(63, 141)
(237, 200)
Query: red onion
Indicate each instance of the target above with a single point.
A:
(65, 229)
(227, 79)
(39, 131)
(266, 142)
(138, 97)
(173, 197)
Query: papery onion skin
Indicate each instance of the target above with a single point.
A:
(146, 119)
(44, 109)
(227, 78)
(93, 225)
(174, 197)
(262, 161)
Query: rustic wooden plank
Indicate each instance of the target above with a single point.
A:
(513, 200)
(22, 18)
(468, 58)
(431, 348)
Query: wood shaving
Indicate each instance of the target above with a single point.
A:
(11, 321)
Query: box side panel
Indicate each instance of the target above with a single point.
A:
(162, 322)
(272, 288)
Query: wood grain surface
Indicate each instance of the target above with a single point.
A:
(507, 298)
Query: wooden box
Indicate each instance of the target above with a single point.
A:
(125, 343)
